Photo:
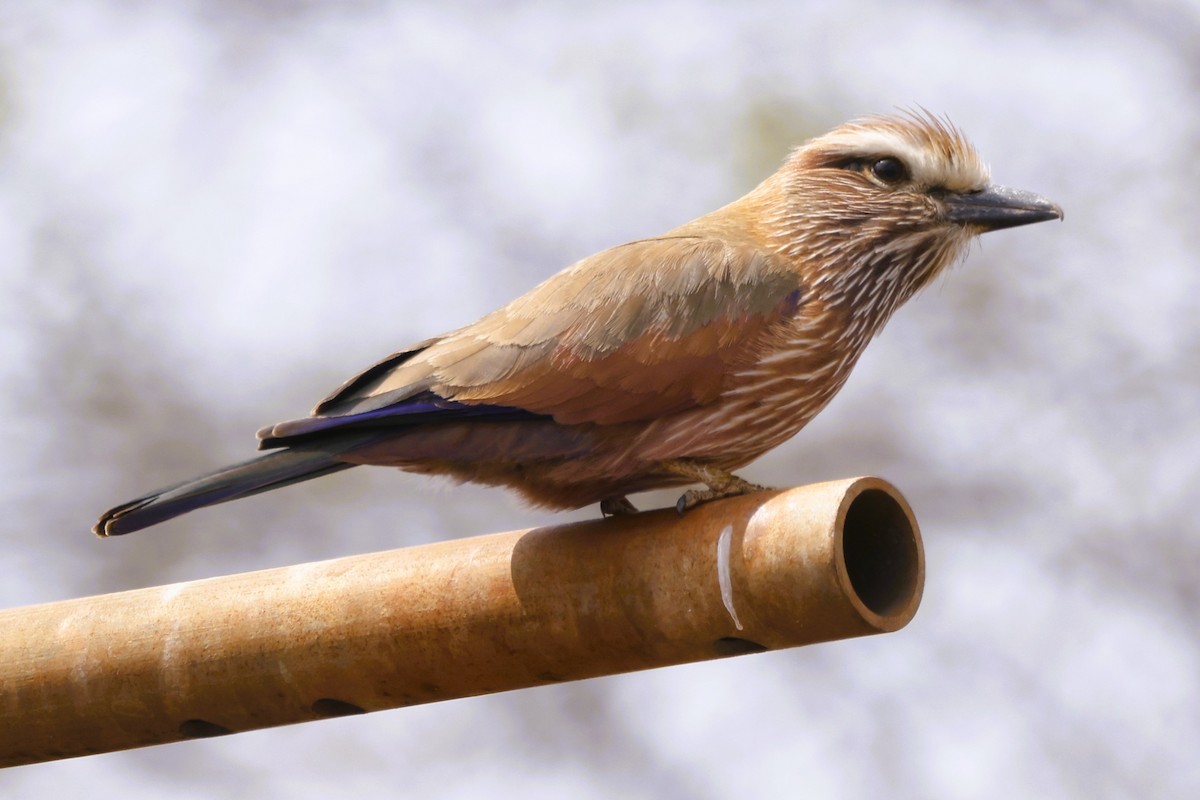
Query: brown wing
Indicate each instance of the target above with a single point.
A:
(642, 330)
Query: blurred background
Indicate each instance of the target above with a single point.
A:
(211, 213)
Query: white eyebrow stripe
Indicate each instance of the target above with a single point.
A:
(929, 166)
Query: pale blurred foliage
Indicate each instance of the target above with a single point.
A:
(210, 214)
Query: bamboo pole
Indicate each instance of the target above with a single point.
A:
(456, 618)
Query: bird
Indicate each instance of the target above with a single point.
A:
(663, 362)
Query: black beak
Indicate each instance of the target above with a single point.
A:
(999, 207)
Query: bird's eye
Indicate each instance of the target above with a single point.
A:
(889, 170)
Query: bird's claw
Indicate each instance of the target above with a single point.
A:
(689, 499)
(618, 506)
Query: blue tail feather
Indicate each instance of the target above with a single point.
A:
(261, 474)
(310, 449)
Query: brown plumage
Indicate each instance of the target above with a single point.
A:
(665, 361)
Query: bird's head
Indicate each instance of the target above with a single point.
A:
(880, 206)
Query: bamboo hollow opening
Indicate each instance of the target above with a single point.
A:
(456, 618)
(881, 552)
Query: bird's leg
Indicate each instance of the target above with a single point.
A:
(617, 506)
(720, 483)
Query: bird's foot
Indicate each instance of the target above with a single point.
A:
(720, 483)
(618, 506)
(694, 497)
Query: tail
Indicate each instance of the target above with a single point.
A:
(310, 448)
(261, 474)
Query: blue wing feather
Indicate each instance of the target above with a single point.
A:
(420, 409)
